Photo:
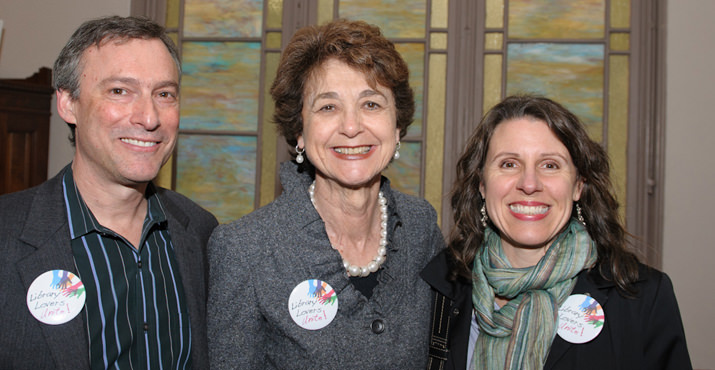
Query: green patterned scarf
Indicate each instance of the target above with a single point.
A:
(519, 335)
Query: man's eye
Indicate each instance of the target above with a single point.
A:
(117, 91)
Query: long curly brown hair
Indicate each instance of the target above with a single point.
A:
(599, 206)
(356, 43)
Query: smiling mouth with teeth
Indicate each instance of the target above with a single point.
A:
(138, 142)
(528, 210)
(355, 150)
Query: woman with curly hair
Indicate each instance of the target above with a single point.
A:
(538, 273)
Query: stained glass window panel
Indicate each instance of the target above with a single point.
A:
(492, 80)
(396, 18)
(571, 74)
(434, 144)
(494, 14)
(414, 55)
(620, 13)
(556, 19)
(438, 40)
(220, 86)
(218, 172)
(274, 19)
(404, 173)
(620, 41)
(223, 18)
(440, 13)
(617, 142)
(172, 14)
(493, 41)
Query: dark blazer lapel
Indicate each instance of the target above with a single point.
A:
(47, 239)
(193, 267)
(589, 283)
(185, 247)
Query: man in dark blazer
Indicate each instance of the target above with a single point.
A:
(139, 250)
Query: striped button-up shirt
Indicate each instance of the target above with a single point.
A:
(135, 312)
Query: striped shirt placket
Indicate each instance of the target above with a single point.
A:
(101, 307)
(178, 303)
(144, 289)
(157, 322)
(114, 293)
(166, 246)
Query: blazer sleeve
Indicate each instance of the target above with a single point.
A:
(665, 346)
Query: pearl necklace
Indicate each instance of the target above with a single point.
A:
(374, 265)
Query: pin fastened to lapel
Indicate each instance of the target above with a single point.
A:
(313, 304)
(56, 297)
(581, 319)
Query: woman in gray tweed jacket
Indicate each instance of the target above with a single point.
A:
(326, 276)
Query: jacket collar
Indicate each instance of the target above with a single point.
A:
(437, 275)
(316, 255)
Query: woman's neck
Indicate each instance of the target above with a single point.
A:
(352, 219)
(521, 256)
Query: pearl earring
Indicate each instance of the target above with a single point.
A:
(299, 158)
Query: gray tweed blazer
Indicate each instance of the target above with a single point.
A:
(256, 262)
(34, 238)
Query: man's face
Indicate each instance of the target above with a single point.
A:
(127, 113)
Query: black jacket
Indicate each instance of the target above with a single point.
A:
(644, 332)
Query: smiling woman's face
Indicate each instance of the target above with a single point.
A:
(529, 183)
(349, 128)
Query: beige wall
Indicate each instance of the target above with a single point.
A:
(689, 241)
(35, 30)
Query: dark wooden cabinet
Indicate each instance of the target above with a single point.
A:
(24, 130)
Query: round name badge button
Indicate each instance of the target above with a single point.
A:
(313, 304)
(56, 297)
(581, 319)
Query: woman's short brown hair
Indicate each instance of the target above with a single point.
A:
(356, 43)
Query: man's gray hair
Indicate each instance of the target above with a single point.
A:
(68, 68)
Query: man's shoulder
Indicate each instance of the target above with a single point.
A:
(15, 206)
(19, 197)
(20, 201)
(34, 211)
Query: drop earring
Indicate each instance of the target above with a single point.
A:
(484, 217)
(579, 216)
(299, 158)
(397, 151)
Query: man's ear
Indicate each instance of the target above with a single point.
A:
(65, 106)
